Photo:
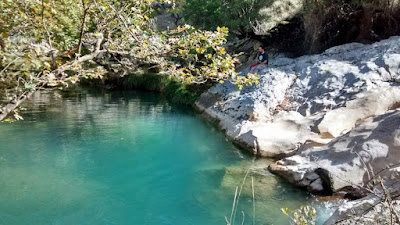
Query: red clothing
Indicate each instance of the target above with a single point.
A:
(254, 65)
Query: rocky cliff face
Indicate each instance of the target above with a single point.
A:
(334, 116)
(349, 161)
(274, 13)
(308, 100)
(311, 26)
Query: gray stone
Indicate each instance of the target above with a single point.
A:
(310, 99)
(349, 161)
(370, 210)
(277, 12)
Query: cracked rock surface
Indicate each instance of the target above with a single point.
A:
(349, 161)
(309, 100)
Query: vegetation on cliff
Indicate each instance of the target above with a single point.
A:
(175, 89)
(331, 23)
(300, 26)
(208, 14)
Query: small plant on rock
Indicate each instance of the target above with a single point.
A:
(305, 215)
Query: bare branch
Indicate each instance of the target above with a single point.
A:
(8, 65)
(124, 23)
(85, 13)
(45, 27)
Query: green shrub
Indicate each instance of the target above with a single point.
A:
(175, 89)
(238, 15)
(305, 215)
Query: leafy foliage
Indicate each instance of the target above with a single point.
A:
(305, 215)
(238, 15)
(57, 42)
(175, 89)
(201, 57)
(26, 18)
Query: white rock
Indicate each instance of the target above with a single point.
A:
(370, 210)
(324, 96)
(372, 103)
(349, 160)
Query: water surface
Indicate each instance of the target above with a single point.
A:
(85, 157)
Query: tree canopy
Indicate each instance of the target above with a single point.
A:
(238, 15)
(46, 43)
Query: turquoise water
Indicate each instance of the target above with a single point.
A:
(84, 157)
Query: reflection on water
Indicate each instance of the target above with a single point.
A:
(87, 157)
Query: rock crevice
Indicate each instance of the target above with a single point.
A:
(310, 99)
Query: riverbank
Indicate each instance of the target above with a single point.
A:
(308, 102)
(174, 89)
(334, 113)
(299, 100)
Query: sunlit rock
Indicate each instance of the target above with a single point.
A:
(349, 161)
(308, 100)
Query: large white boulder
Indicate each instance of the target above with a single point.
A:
(308, 100)
(350, 161)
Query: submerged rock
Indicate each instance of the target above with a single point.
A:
(255, 177)
(308, 100)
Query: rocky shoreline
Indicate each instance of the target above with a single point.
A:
(331, 118)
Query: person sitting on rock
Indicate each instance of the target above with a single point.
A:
(262, 62)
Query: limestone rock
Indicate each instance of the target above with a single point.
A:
(164, 20)
(275, 13)
(366, 211)
(370, 104)
(349, 161)
(308, 100)
(167, 21)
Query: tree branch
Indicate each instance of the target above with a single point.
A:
(8, 65)
(100, 38)
(4, 111)
(125, 24)
(85, 12)
(45, 27)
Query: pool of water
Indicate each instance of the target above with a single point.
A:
(87, 157)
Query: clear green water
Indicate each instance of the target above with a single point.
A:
(84, 157)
